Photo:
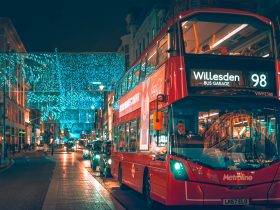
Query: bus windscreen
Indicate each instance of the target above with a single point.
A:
(224, 138)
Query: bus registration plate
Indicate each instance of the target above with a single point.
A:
(238, 201)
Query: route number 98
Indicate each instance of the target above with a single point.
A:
(259, 80)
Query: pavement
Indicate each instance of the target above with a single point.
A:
(73, 187)
(8, 162)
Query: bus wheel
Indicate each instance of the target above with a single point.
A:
(147, 192)
(122, 186)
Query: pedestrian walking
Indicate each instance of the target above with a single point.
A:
(52, 147)
(45, 149)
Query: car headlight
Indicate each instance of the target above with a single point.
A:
(110, 161)
(97, 156)
(178, 170)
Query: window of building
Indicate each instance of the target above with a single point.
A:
(19, 116)
(140, 49)
(143, 44)
(162, 50)
(126, 61)
(151, 60)
(153, 33)
(126, 49)
(148, 37)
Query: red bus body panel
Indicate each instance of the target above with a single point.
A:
(176, 78)
(209, 187)
(278, 79)
(133, 166)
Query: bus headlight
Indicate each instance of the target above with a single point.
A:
(178, 170)
(110, 161)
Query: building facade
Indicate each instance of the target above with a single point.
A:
(14, 109)
(141, 31)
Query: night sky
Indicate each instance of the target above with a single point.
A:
(70, 26)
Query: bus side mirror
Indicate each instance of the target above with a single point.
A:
(157, 119)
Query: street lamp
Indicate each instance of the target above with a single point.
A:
(101, 87)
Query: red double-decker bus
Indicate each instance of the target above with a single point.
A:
(196, 118)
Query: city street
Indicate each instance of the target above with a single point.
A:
(25, 184)
(177, 99)
(65, 181)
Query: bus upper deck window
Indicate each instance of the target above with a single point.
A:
(151, 60)
(142, 71)
(222, 31)
(162, 50)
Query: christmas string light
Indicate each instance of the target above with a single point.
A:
(62, 83)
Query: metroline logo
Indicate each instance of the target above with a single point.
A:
(208, 76)
(237, 177)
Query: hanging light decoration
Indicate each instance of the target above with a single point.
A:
(63, 82)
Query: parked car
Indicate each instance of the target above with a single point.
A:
(40, 147)
(105, 159)
(86, 151)
(95, 154)
(69, 146)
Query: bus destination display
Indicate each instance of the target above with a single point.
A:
(230, 78)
